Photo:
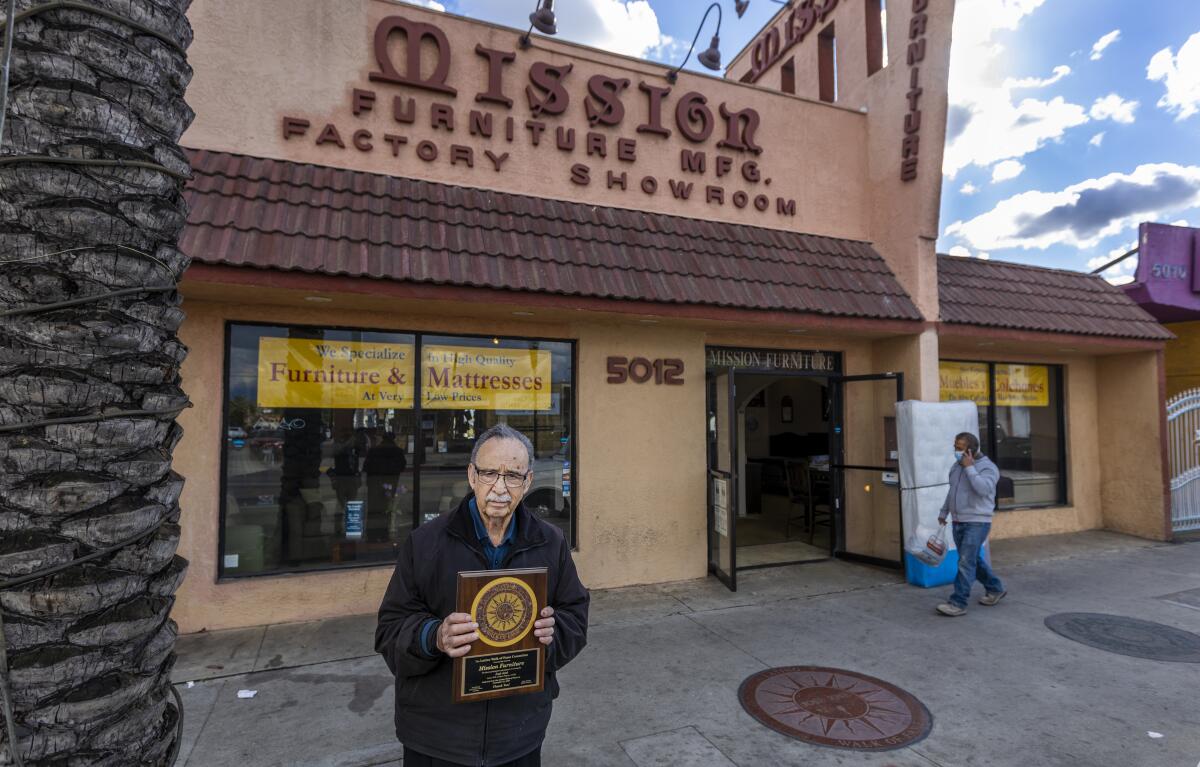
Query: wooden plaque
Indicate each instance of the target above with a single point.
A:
(506, 659)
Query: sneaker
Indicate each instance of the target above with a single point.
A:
(991, 599)
(945, 608)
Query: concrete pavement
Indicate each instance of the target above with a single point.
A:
(657, 683)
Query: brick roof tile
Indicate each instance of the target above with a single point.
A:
(274, 214)
(974, 291)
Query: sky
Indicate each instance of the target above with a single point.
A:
(1071, 121)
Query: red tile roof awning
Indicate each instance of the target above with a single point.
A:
(999, 294)
(273, 214)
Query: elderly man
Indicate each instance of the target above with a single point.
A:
(419, 633)
(971, 500)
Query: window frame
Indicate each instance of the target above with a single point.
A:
(418, 453)
(1059, 391)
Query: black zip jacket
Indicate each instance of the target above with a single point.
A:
(424, 586)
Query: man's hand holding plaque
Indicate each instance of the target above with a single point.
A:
(543, 629)
(455, 635)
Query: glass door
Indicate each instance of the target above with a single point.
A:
(722, 476)
(865, 469)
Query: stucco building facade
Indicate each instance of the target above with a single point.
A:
(701, 298)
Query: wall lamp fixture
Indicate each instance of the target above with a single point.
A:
(711, 56)
(542, 19)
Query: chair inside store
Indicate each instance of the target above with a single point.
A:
(784, 504)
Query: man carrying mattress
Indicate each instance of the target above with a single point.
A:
(971, 501)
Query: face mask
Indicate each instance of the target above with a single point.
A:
(958, 454)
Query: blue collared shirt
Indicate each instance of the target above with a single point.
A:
(495, 557)
(495, 554)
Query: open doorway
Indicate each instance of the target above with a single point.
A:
(774, 420)
(784, 508)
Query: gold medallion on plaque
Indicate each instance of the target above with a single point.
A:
(505, 611)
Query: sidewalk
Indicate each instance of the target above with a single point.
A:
(657, 683)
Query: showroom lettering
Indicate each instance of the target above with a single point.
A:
(548, 94)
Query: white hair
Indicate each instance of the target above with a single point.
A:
(503, 431)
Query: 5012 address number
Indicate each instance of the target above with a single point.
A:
(641, 370)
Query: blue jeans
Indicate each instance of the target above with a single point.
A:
(969, 538)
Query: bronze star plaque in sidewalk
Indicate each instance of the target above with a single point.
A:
(1128, 636)
(835, 708)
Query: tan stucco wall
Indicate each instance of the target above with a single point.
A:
(256, 62)
(903, 215)
(640, 479)
(642, 472)
(849, 21)
(1132, 482)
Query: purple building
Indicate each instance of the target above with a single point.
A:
(1167, 283)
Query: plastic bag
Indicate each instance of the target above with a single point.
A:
(927, 545)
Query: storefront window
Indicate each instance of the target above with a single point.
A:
(330, 460)
(1020, 426)
(469, 385)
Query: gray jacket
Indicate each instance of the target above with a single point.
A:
(972, 495)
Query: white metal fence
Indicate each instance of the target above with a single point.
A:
(1183, 446)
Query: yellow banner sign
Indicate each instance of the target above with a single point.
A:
(295, 372)
(964, 381)
(1023, 385)
(455, 377)
(1016, 385)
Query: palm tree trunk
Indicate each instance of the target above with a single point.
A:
(91, 209)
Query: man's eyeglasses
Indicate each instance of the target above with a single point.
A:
(489, 477)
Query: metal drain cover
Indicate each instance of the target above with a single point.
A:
(1128, 636)
(835, 708)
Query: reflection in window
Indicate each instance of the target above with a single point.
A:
(470, 385)
(319, 434)
(1029, 445)
(324, 457)
(1023, 432)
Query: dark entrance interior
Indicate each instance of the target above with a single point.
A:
(801, 461)
(785, 504)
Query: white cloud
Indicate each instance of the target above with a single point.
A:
(986, 124)
(968, 189)
(434, 4)
(1098, 139)
(1181, 76)
(1060, 72)
(1180, 222)
(1006, 170)
(1120, 273)
(1113, 107)
(1099, 46)
(1083, 214)
(959, 250)
(670, 50)
(621, 26)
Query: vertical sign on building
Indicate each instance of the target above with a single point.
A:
(910, 146)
